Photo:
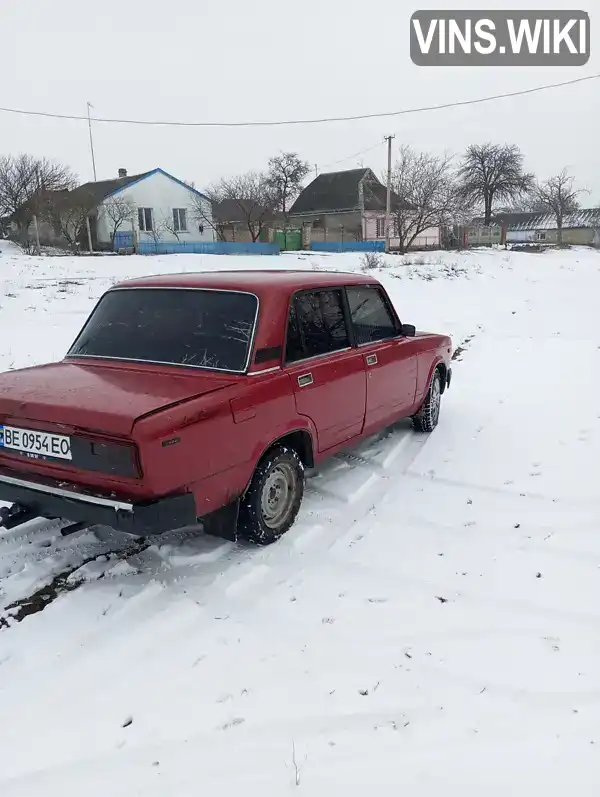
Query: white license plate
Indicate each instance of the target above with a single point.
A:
(28, 441)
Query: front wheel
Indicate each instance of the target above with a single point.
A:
(428, 416)
(273, 499)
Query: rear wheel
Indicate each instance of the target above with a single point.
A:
(428, 416)
(273, 499)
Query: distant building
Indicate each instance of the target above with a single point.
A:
(581, 227)
(149, 207)
(164, 208)
(350, 205)
(237, 220)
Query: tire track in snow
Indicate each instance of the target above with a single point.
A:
(227, 575)
(329, 516)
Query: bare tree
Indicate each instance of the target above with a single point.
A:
(25, 182)
(202, 211)
(493, 172)
(557, 195)
(285, 177)
(159, 228)
(118, 210)
(168, 225)
(426, 194)
(69, 211)
(251, 198)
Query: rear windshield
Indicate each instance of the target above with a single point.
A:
(197, 328)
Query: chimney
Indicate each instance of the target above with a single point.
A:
(122, 172)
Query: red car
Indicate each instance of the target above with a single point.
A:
(205, 396)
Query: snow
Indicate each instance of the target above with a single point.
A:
(431, 623)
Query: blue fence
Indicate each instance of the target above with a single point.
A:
(123, 240)
(206, 248)
(348, 246)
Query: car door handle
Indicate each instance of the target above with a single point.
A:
(371, 359)
(305, 380)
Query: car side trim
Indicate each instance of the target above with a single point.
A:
(315, 357)
(264, 371)
(89, 499)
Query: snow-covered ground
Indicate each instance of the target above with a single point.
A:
(431, 625)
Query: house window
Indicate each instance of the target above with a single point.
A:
(179, 220)
(541, 236)
(380, 233)
(145, 219)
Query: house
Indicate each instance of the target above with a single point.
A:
(579, 228)
(350, 206)
(150, 207)
(129, 210)
(243, 220)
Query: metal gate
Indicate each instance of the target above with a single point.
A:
(288, 240)
(123, 240)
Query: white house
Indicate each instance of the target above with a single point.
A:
(153, 207)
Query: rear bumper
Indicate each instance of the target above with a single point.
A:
(139, 518)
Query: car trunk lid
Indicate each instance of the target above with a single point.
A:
(99, 398)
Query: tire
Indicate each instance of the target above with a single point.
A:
(271, 504)
(428, 416)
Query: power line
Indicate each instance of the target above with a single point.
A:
(278, 123)
(355, 155)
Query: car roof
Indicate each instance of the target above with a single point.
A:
(253, 281)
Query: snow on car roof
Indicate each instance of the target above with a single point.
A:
(254, 281)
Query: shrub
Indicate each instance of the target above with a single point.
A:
(371, 261)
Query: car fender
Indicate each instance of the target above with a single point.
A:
(300, 424)
(424, 387)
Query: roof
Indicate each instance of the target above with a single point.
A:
(339, 192)
(544, 221)
(231, 211)
(253, 281)
(103, 189)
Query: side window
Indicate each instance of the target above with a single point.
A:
(371, 318)
(317, 325)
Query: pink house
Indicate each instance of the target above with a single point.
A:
(350, 205)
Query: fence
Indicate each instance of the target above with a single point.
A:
(347, 246)
(207, 248)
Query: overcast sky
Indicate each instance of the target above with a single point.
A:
(192, 60)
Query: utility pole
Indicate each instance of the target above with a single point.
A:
(38, 248)
(89, 105)
(89, 234)
(40, 193)
(388, 203)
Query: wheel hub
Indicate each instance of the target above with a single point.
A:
(277, 496)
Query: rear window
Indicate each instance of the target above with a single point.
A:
(196, 328)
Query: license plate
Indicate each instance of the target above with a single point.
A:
(43, 444)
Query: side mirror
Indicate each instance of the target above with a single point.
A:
(408, 330)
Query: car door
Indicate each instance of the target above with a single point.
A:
(390, 358)
(328, 375)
